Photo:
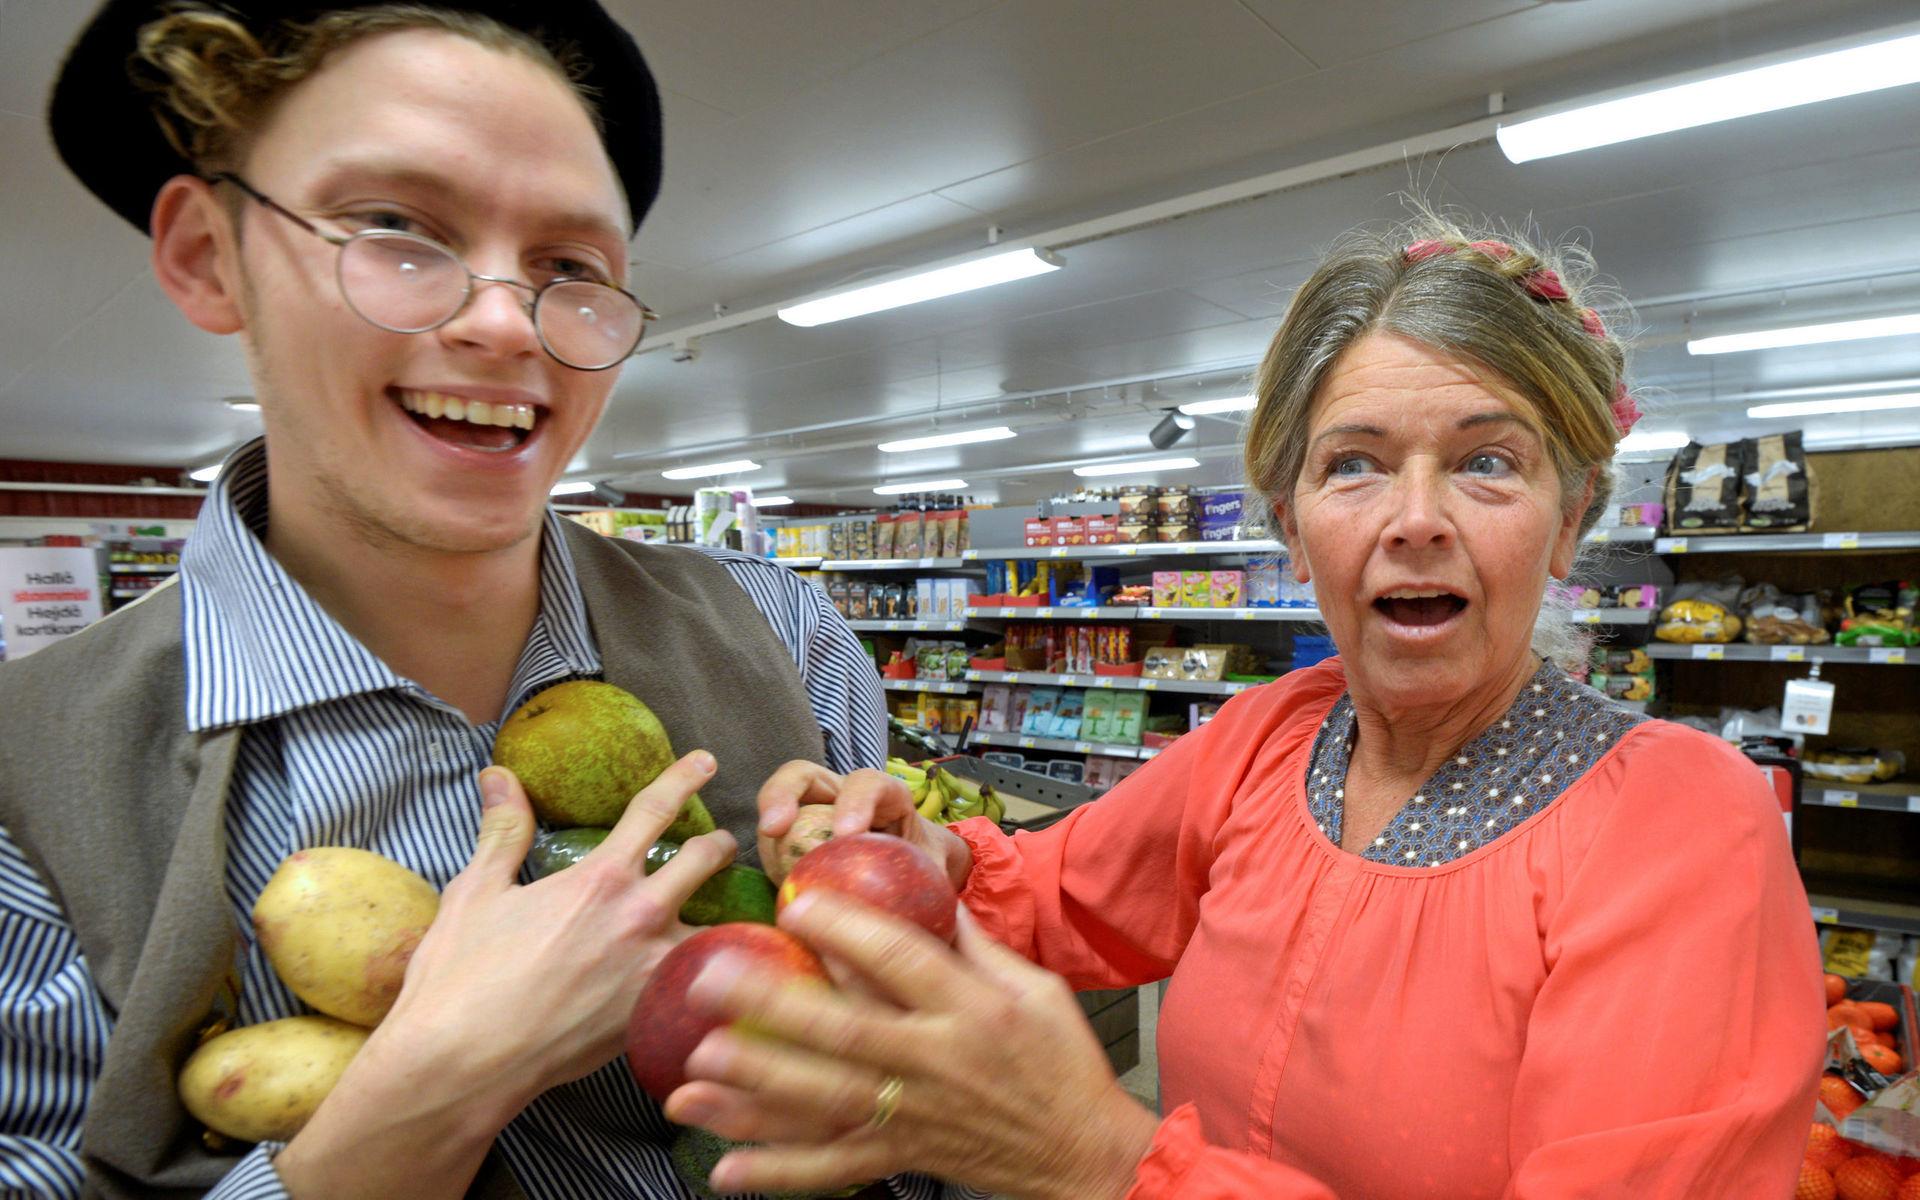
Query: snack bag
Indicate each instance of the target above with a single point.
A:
(1703, 487)
(884, 527)
(1879, 614)
(1701, 612)
(1774, 618)
(907, 537)
(1777, 491)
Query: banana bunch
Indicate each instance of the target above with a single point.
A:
(943, 796)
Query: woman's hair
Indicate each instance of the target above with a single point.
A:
(214, 80)
(1517, 311)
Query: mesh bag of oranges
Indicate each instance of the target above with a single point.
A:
(1865, 1140)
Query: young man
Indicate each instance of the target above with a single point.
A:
(415, 218)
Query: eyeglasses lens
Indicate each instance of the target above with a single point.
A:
(402, 283)
(588, 325)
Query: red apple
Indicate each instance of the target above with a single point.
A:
(665, 1027)
(880, 870)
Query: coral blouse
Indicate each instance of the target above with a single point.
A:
(1619, 996)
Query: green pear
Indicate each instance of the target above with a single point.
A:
(583, 749)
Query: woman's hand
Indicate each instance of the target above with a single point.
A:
(866, 799)
(1003, 1085)
(513, 990)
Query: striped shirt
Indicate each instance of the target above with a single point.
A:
(339, 750)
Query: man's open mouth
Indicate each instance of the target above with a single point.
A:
(1420, 606)
(472, 424)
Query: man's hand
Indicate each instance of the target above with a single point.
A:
(515, 989)
(864, 800)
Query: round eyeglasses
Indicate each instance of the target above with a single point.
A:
(406, 283)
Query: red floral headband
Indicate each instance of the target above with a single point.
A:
(1543, 284)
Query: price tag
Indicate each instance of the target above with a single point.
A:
(976, 676)
(1826, 916)
(1043, 613)
(925, 562)
(973, 612)
(1064, 680)
(890, 625)
(1670, 546)
(1245, 614)
(1083, 747)
(1586, 616)
(1149, 751)
(1149, 614)
(1892, 656)
(969, 554)
(1843, 799)
(1913, 804)
(1059, 552)
(1600, 535)
(1710, 653)
(1840, 541)
(1188, 548)
(1149, 685)
(1127, 551)
(1013, 677)
(1786, 653)
(1028, 743)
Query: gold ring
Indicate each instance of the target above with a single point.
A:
(886, 1103)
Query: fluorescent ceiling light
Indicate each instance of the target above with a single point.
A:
(925, 485)
(1850, 404)
(206, 474)
(1129, 468)
(966, 438)
(570, 487)
(1722, 98)
(246, 404)
(927, 285)
(1206, 408)
(1807, 335)
(736, 466)
(1652, 439)
(771, 501)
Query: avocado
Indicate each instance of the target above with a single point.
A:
(696, 1150)
(736, 893)
(561, 848)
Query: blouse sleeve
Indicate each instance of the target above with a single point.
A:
(1180, 1165)
(1621, 1090)
(1109, 896)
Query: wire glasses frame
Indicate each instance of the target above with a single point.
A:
(381, 274)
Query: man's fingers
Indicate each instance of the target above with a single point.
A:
(906, 961)
(655, 807)
(870, 799)
(795, 783)
(696, 863)
(506, 828)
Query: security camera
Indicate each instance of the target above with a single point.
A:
(687, 351)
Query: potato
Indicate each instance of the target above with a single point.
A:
(260, 1083)
(812, 825)
(339, 926)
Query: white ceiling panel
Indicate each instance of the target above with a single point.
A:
(1331, 34)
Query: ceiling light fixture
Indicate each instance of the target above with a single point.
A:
(1807, 335)
(245, 404)
(1004, 267)
(1846, 404)
(1207, 408)
(1641, 441)
(924, 485)
(206, 474)
(1172, 427)
(738, 466)
(1807, 80)
(1128, 468)
(966, 438)
(570, 487)
(611, 494)
(771, 501)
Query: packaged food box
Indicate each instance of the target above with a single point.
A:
(926, 604)
(857, 601)
(1129, 533)
(1263, 585)
(1039, 531)
(1128, 719)
(996, 702)
(1139, 505)
(1174, 504)
(1102, 531)
(1069, 531)
(1038, 718)
(1227, 589)
(1066, 770)
(1066, 714)
(1221, 516)
(1196, 589)
(1166, 589)
(1096, 716)
(1177, 532)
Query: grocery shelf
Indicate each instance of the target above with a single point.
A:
(128, 593)
(1127, 550)
(142, 568)
(890, 564)
(867, 626)
(1128, 612)
(799, 562)
(1025, 741)
(943, 686)
(1775, 543)
(1865, 914)
(1622, 534)
(1122, 683)
(1886, 797)
(1895, 656)
(1611, 616)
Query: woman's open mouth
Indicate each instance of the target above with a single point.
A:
(1420, 607)
(470, 424)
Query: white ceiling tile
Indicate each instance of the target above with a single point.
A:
(1331, 34)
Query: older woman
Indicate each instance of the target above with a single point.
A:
(1437, 921)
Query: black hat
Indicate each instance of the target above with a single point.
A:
(103, 124)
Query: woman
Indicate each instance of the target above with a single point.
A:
(1437, 921)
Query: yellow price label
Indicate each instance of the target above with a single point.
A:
(1710, 653)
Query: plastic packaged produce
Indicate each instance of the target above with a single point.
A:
(1776, 618)
(1701, 612)
(1854, 764)
(1879, 614)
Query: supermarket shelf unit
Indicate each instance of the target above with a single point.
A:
(1065, 745)
(1886, 797)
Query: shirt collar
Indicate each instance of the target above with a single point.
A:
(258, 646)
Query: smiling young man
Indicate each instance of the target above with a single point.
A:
(415, 220)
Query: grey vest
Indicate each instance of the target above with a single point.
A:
(120, 810)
